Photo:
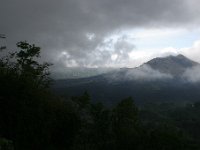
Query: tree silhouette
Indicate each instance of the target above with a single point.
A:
(125, 121)
(23, 92)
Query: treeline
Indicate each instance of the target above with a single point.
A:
(31, 117)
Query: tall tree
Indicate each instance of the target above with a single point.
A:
(23, 94)
(125, 123)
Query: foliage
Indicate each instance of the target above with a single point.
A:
(5, 144)
(28, 111)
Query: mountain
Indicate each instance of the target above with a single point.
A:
(158, 80)
(78, 72)
(174, 65)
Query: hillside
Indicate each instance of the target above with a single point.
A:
(159, 80)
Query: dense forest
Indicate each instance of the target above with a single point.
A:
(33, 117)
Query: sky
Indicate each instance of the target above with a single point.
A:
(103, 33)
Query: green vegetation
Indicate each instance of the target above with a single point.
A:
(31, 117)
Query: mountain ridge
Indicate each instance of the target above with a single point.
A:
(157, 68)
(174, 65)
(142, 83)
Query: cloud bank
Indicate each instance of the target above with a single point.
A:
(192, 74)
(88, 32)
(145, 72)
(142, 73)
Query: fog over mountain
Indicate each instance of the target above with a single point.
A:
(174, 65)
(158, 68)
(168, 79)
(79, 72)
(169, 67)
(192, 74)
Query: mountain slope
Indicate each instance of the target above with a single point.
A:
(174, 65)
(159, 80)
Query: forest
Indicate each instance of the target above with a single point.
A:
(33, 117)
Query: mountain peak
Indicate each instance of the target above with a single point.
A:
(181, 56)
(178, 57)
(174, 65)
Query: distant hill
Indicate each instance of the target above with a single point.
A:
(158, 80)
(78, 72)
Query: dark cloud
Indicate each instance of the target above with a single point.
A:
(63, 25)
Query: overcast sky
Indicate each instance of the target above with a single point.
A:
(103, 33)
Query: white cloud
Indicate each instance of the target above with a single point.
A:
(157, 33)
(114, 57)
(90, 36)
(145, 72)
(192, 74)
(192, 52)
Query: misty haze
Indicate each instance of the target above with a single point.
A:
(100, 74)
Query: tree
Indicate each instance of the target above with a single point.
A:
(125, 124)
(28, 67)
(23, 96)
(24, 65)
